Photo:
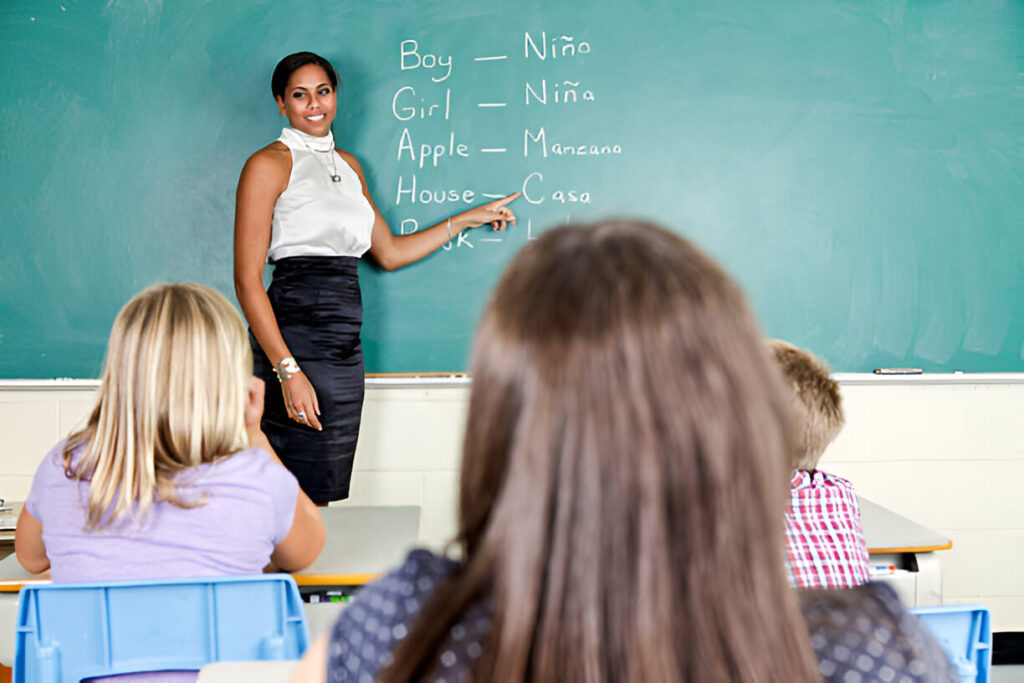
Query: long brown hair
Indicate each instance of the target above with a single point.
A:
(623, 476)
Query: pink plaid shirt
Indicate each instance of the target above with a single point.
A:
(825, 544)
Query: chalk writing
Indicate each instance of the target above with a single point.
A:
(406, 105)
(562, 92)
(565, 149)
(560, 46)
(411, 59)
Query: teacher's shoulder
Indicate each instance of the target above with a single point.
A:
(351, 160)
(270, 165)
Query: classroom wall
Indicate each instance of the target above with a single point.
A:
(949, 455)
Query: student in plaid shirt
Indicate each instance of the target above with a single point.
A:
(825, 544)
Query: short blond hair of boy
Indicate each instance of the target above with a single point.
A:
(817, 403)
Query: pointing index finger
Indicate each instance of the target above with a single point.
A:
(505, 200)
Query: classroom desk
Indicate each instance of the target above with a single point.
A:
(8, 521)
(362, 542)
(894, 540)
(365, 541)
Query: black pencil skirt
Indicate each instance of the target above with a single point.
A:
(319, 310)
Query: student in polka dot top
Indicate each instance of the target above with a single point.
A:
(624, 474)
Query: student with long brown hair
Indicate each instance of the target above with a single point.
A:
(623, 484)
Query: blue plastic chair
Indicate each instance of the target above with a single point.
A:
(965, 633)
(67, 632)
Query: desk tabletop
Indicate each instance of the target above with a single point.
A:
(888, 532)
(362, 542)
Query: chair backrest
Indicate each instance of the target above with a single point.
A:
(965, 633)
(67, 632)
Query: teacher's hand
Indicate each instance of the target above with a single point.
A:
(300, 400)
(495, 213)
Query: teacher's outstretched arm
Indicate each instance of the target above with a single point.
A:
(396, 251)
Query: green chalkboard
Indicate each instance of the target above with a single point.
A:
(857, 166)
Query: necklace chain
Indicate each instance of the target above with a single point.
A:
(333, 172)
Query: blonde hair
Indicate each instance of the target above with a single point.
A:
(817, 403)
(172, 396)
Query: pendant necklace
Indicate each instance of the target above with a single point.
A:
(333, 172)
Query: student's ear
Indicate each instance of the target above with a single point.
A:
(254, 402)
(280, 104)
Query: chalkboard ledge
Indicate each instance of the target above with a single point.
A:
(861, 378)
(461, 379)
(372, 381)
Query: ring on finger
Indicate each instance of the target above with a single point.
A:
(302, 415)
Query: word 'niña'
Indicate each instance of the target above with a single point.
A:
(564, 93)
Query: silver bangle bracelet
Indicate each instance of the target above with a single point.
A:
(449, 229)
(286, 369)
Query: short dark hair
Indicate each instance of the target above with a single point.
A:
(290, 64)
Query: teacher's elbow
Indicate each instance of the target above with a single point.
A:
(388, 261)
(246, 285)
(389, 253)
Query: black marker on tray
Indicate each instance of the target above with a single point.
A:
(898, 371)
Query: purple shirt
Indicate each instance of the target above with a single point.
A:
(250, 504)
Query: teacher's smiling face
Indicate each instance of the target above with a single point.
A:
(310, 101)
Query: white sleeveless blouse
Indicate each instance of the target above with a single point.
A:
(315, 216)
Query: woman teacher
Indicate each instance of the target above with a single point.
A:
(304, 206)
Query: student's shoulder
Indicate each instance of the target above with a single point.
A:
(409, 584)
(391, 602)
(52, 477)
(868, 630)
(818, 480)
(54, 463)
(252, 468)
(248, 460)
(420, 564)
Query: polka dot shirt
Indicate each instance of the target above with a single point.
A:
(380, 615)
(859, 635)
(864, 635)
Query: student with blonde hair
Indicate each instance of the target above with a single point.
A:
(825, 546)
(623, 479)
(171, 475)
